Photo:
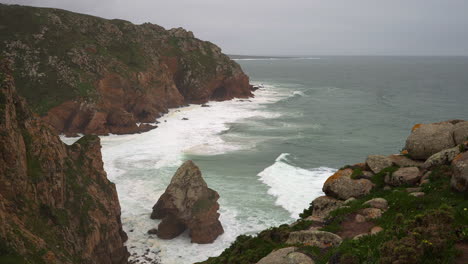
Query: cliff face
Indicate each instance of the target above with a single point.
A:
(92, 75)
(56, 203)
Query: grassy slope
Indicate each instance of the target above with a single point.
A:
(416, 229)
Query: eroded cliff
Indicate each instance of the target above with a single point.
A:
(56, 203)
(96, 76)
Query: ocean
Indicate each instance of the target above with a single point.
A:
(268, 156)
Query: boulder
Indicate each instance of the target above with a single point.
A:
(375, 230)
(378, 162)
(408, 175)
(321, 239)
(459, 181)
(379, 203)
(371, 213)
(443, 157)
(403, 161)
(460, 132)
(341, 186)
(188, 203)
(287, 255)
(427, 139)
(323, 205)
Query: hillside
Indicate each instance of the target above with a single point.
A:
(96, 76)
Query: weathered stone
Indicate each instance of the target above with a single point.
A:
(379, 203)
(320, 239)
(427, 139)
(323, 205)
(357, 237)
(286, 256)
(188, 203)
(443, 157)
(375, 230)
(153, 231)
(408, 175)
(417, 194)
(367, 175)
(460, 132)
(459, 181)
(378, 162)
(414, 189)
(341, 186)
(350, 200)
(403, 161)
(359, 218)
(371, 213)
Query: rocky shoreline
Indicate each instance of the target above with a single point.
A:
(90, 75)
(404, 208)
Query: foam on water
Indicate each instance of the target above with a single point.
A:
(294, 187)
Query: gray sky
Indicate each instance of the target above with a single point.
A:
(299, 27)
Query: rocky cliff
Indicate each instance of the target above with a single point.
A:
(398, 209)
(56, 203)
(96, 76)
(188, 203)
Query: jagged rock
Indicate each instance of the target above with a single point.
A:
(54, 198)
(403, 161)
(379, 203)
(378, 162)
(443, 157)
(323, 205)
(321, 239)
(460, 132)
(459, 181)
(407, 175)
(341, 186)
(188, 203)
(427, 139)
(286, 256)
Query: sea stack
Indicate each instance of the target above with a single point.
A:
(188, 203)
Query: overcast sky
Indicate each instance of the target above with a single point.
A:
(299, 27)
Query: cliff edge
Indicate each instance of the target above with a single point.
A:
(85, 74)
(56, 203)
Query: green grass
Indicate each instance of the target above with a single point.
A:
(416, 229)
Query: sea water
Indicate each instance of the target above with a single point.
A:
(268, 156)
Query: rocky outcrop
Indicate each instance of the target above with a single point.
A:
(378, 162)
(403, 176)
(443, 157)
(323, 205)
(341, 186)
(288, 255)
(56, 203)
(315, 238)
(90, 75)
(427, 139)
(188, 203)
(459, 179)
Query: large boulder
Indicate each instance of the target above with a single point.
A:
(460, 132)
(443, 157)
(323, 205)
(403, 176)
(341, 186)
(459, 179)
(321, 239)
(188, 203)
(427, 139)
(287, 255)
(378, 162)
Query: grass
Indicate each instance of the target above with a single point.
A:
(416, 229)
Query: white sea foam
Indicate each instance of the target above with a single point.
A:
(294, 187)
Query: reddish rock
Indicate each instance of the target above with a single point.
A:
(54, 198)
(459, 181)
(188, 203)
(341, 186)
